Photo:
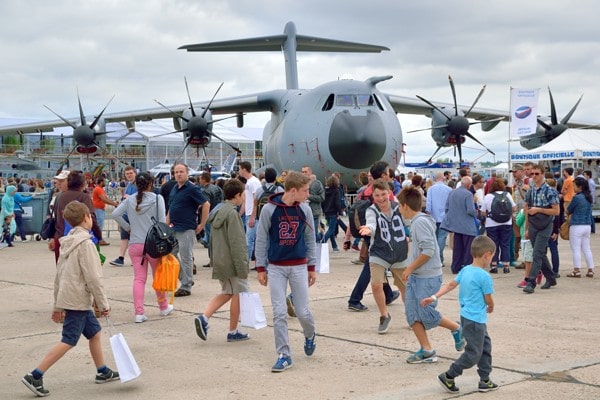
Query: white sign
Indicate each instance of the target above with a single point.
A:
(523, 112)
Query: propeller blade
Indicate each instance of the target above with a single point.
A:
(227, 143)
(173, 112)
(544, 125)
(570, 114)
(101, 112)
(433, 155)
(476, 100)
(477, 140)
(211, 100)
(66, 162)
(72, 125)
(189, 98)
(433, 106)
(553, 117)
(453, 95)
(427, 129)
(224, 118)
(81, 116)
(170, 133)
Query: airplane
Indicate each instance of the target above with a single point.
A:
(340, 126)
(19, 165)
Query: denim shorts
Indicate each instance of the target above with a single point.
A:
(77, 323)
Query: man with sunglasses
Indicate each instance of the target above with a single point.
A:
(541, 205)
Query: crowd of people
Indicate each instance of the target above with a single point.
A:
(272, 223)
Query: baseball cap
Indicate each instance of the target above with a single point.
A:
(64, 174)
(516, 167)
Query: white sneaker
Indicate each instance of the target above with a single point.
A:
(167, 310)
(140, 318)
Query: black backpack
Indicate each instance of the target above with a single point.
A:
(264, 198)
(160, 239)
(357, 214)
(501, 210)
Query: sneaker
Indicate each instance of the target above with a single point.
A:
(117, 262)
(384, 324)
(528, 288)
(514, 264)
(282, 364)
(35, 385)
(395, 296)
(459, 340)
(506, 270)
(487, 386)
(493, 270)
(166, 311)
(336, 250)
(447, 384)
(549, 283)
(140, 318)
(201, 327)
(355, 247)
(289, 301)
(539, 277)
(422, 356)
(357, 307)
(237, 337)
(110, 375)
(522, 284)
(310, 345)
(357, 262)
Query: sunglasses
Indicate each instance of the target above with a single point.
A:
(536, 173)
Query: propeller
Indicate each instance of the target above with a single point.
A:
(198, 128)
(554, 128)
(85, 135)
(453, 127)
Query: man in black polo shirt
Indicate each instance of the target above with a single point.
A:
(185, 201)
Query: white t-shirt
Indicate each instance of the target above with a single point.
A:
(487, 205)
(252, 185)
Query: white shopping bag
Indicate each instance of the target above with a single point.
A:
(251, 310)
(126, 364)
(322, 256)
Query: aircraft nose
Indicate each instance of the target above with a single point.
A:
(357, 141)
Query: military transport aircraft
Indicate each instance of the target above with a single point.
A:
(343, 126)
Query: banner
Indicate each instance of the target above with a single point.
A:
(523, 112)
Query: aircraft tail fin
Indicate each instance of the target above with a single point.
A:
(289, 43)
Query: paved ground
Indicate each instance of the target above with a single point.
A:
(544, 345)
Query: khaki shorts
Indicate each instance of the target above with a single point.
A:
(527, 250)
(378, 274)
(234, 286)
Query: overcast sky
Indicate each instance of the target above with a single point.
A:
(129, 49)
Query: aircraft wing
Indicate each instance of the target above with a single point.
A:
(409, 105)
(257, 102)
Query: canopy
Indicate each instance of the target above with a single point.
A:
(571, 144)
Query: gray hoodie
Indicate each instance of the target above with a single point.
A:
(140, 221)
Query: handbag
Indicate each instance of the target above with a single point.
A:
(126, 365)
(48, 227)
(160, 239)
(166, 275)
(564, 228)
(251, 310)
(322, 255)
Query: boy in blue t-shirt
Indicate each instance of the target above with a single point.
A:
(475, 299)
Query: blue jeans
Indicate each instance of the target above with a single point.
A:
(100, 217)
(441, 235)
(250, 237)
(317, 225)
(501, 236)
(553, 246)
(330, 234)
(19, 221)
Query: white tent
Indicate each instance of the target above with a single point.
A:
(571, 144)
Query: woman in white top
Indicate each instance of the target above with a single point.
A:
(498, 223)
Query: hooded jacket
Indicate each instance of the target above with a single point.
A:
(78, 274)
(8, 208)
(285, 235)
(228, 249)
(139, 224)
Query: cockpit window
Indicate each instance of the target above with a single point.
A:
(328, 103)
(344, 100)
(364, 100)
(351, 100)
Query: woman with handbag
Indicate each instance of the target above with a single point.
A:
(580, 211)
(140, 208)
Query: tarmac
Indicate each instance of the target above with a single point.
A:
(544, 344)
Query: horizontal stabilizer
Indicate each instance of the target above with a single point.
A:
(275, 43)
